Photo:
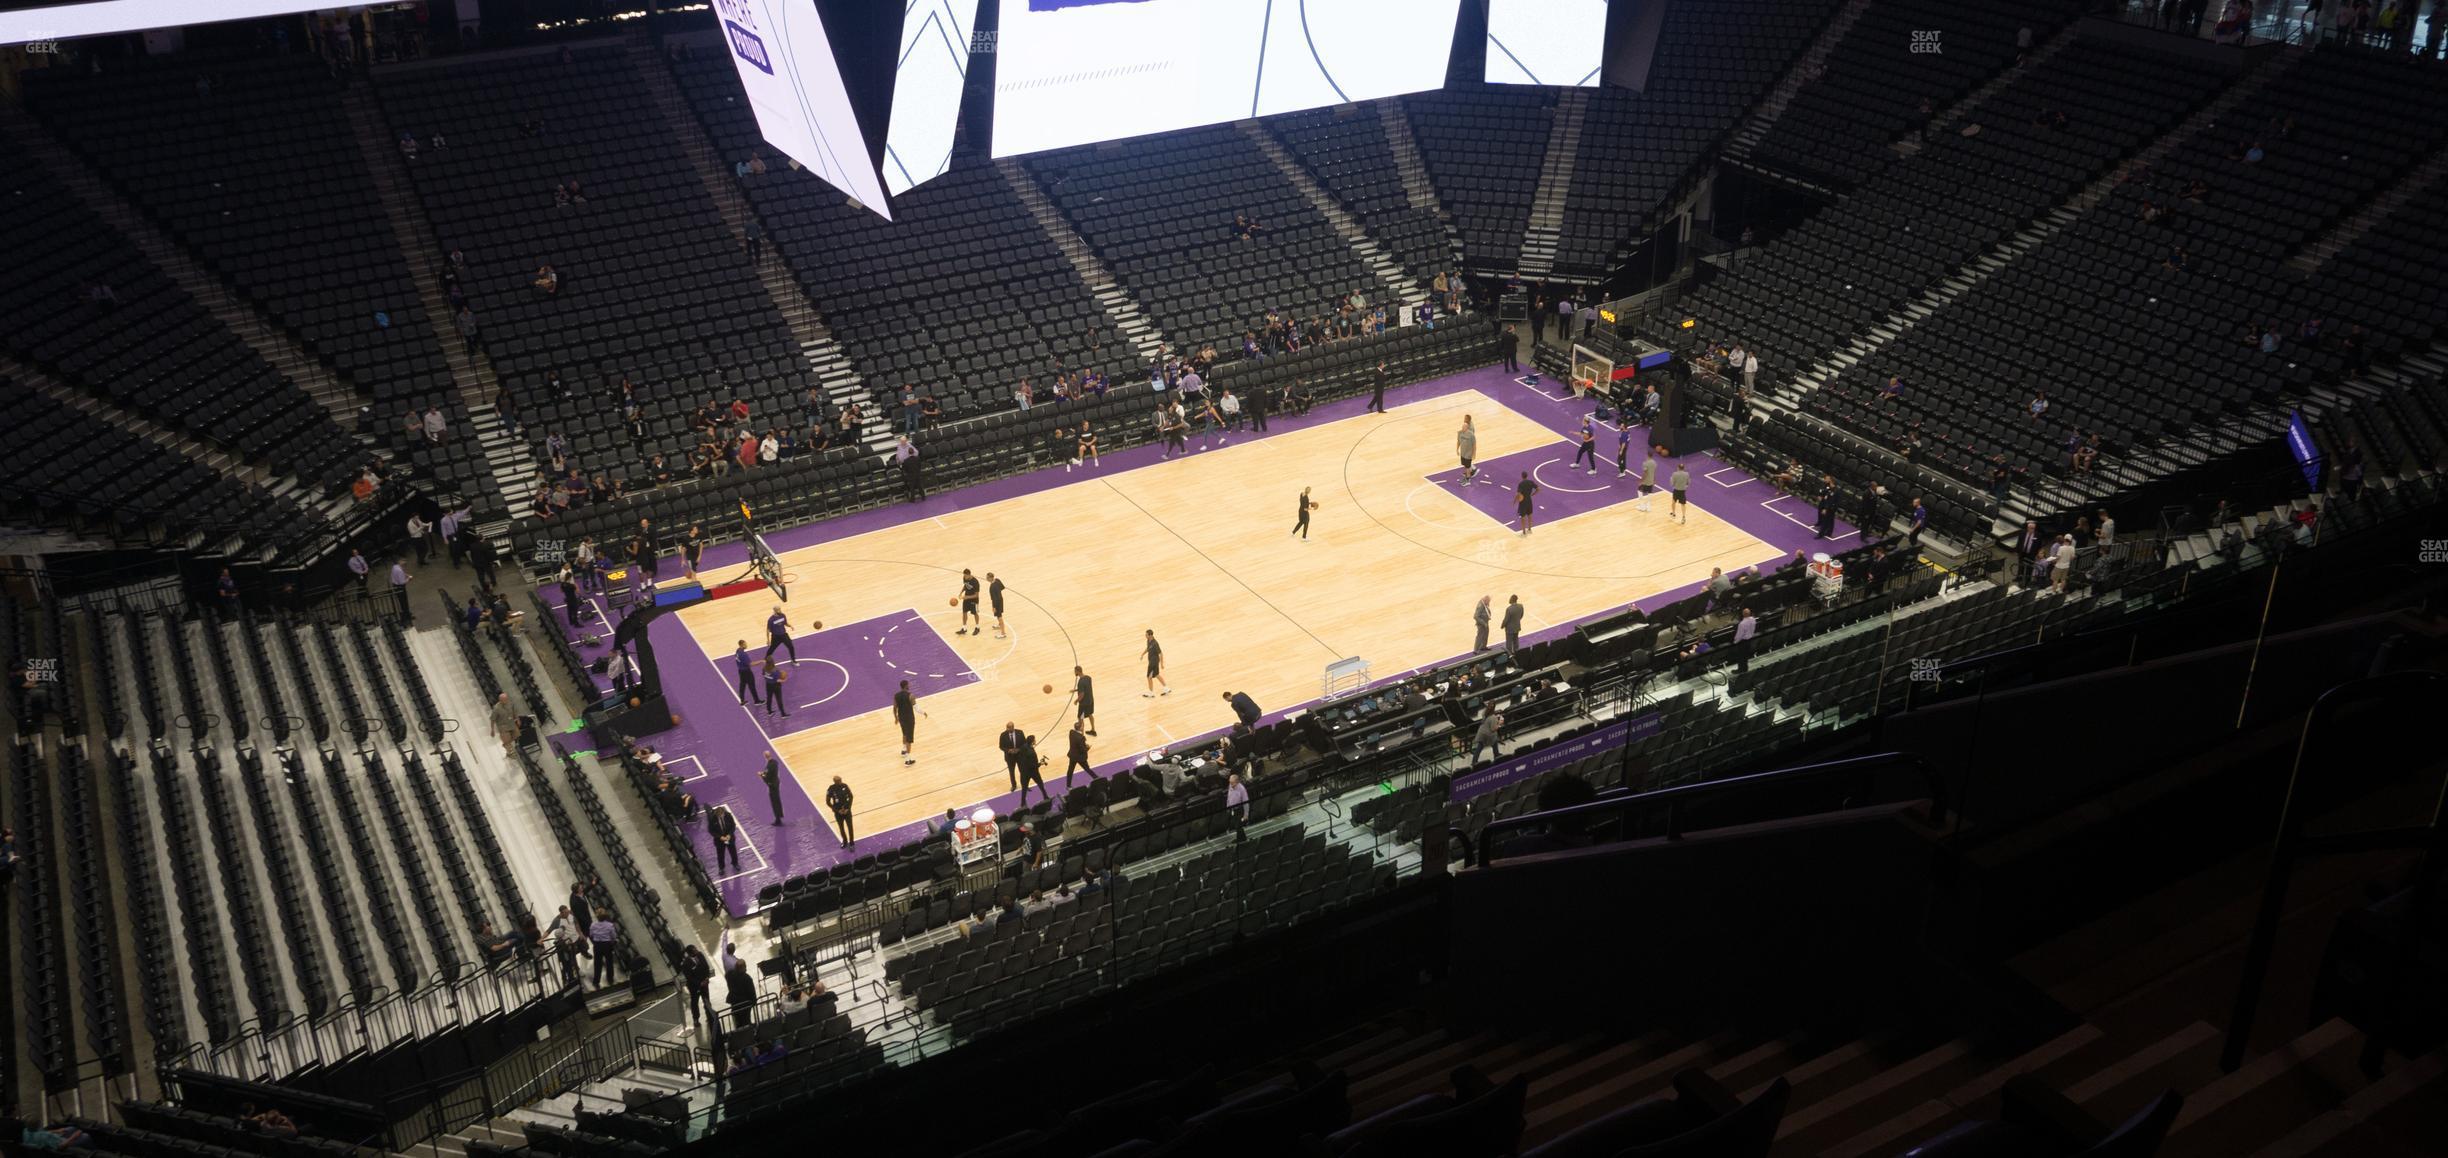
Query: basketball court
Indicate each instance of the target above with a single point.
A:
(1198, 548)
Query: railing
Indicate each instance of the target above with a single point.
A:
(1121, 942)
(2420, 690)
(271, 1052)
(1669, 808)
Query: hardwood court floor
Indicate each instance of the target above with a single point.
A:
(1199, 549)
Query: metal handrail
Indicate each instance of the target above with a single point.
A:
(2289, 844)
(1676, 798)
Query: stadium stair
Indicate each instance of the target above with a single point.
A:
(1420, 191)
(511, 464)
(1390, 272)
(1539, 241)
(825, 357)
(1981, 267)
(202, 453)
(339, 400)
(1947, 116)
(2430, 175)
(1813, 63)
(1145, 338)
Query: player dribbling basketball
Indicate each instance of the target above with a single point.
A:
(970, 623)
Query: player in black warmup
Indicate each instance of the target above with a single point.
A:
(1522, 507)
(968, 605)
(994, 599)
(1155, 668)
(1301, 527)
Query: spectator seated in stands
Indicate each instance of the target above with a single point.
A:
(1894, 388)
(1246, 229)
(268, 1120)
(497, 947)
(34, 1137)
(546, 280)
(675, 803)
(408, 144)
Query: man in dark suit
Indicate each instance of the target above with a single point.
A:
(1245, 708)
(1078, 761)
(725, 830)
(1031, 771)
(1011, 741)
(697, 976)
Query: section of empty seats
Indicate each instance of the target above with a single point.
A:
(1161, 215)
(590, 255)
(61, 468)
(93, 914)
(1019, 950)
(84, 305)
(38, 933)
(1637, 149)
(1483, 150)
(231, 843)
(1345, 148)
(154, 937)
(960, 294)
(2177, 286)
(2387, 278)
(1815, 289)
(1902, 63)
(250, 164)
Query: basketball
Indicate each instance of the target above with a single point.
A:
(816, 626)
(1049, 689)
(952, 602)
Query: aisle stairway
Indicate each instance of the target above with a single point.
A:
(1538, 251)
(1803, 72)
(1146, 340)
(827, 361)
(1389, 272)
(341, 400)
(510, 462)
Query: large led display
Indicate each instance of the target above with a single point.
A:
(785, 62)
(1556, 42)
(927, 79)
(1070, 72)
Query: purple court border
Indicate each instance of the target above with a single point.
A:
(720, 759)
